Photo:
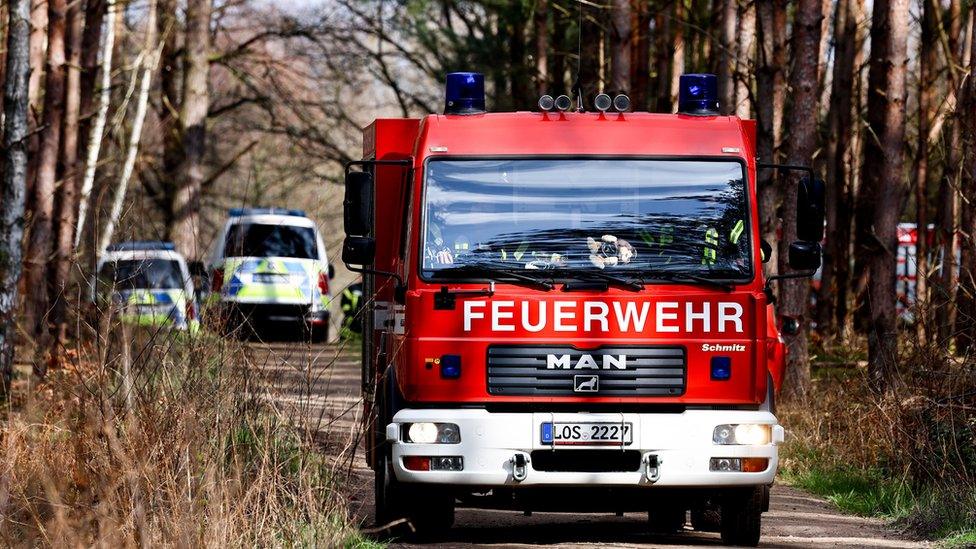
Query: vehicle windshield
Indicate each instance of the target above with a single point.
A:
(142, 274)
(632, 217)
(267, 240)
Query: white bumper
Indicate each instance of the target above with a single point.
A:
(681, 442)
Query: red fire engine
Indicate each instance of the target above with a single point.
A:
(566, 310)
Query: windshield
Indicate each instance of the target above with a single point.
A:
(265, 240)
(633, 217)
(142, 274)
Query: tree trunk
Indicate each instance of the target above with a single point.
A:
(16, 99)
(170, 100)
(926, 82)
(40, 244)
(663, 54)
(744, 53)
(67, 197)
(804, 86)
(640, 62)
(966, 294)
(541, 23)
(620, 46)
(770, 83)
(883, 185)
(678, 53)
(835, 276)
(150, 59)
(184, 231)
(727, 55)
(38, 48)
(98, 125)
(517, 75)
(944, 287)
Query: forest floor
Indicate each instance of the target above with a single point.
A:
(322, 383)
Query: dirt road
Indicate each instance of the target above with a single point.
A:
(320, 384)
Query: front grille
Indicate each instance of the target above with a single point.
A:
(586, 461)
(517, 370)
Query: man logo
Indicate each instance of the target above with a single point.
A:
(586, 384)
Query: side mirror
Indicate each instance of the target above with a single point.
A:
(197, 268)
(358, 250)
(767, 250)
(805, 256)
(331, 271)
(358, 204)
(810, 206)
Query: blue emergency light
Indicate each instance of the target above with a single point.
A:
(240, 212)
(698, 95)
(465, 93)
(721, 368)
(142, 246)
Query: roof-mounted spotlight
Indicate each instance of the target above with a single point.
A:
(698, 95)
(621, 103)
(602, 102)
(465, 93)
(563, 102)
(546, 103)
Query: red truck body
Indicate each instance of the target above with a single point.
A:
(477, 387)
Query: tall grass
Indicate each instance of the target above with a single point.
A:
(908, 454)
(145, 437)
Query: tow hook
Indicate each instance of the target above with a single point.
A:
(652, 467)
(520, 467)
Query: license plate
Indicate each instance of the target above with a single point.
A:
(587, 434)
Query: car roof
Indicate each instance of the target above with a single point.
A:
(272, 219)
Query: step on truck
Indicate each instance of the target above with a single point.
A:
(567, 310)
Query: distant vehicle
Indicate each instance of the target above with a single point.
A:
(150, 283)
(269, 267)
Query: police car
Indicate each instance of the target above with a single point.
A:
(149, 283)
(268, 267)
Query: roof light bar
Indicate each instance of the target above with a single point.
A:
(465, 93)
(241, 212)
(142, 245)
(698, 95)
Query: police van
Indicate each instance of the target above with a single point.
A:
(150, 284)
(268, 268)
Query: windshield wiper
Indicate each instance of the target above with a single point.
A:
(497, 273)
(687, 277)
(614, 280)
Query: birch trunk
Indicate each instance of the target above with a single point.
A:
(16, 101)
(149, 61)
(678, 53)
(805, 90)
(98, 126)
(193, 121)
(744, 52)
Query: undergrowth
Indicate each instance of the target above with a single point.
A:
(152, 438)
(908, 455)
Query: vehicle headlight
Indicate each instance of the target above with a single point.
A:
(749, 434)
(432, 433)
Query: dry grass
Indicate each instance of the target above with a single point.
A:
(909, 455)
(162, 439)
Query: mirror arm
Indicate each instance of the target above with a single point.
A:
(768, 290)
(407, 162)
(786, 167)
(399, 291)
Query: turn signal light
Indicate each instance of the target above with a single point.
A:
(754, 465)
(416, 463)
(217, 280)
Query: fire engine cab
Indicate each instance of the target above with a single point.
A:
(567, 310)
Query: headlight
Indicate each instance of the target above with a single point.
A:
(749, 434)
(432, 433)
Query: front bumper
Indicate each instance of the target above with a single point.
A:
(680, 443)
